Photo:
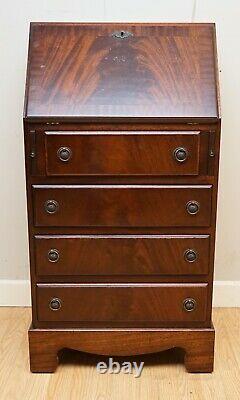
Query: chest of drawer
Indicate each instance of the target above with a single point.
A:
(122, 206)
(122, 138)
(125, 153)
(117, 304)
(121, 255)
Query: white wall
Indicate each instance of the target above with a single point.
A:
(14, 24)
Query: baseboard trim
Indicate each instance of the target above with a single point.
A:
(17, 293)
(226, 294)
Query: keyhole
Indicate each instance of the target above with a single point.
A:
(121, 34)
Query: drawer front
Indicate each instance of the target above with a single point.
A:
(122, 206)
(123, 153)
(122, 304)
(127, 255)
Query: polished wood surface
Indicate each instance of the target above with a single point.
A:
(122, 153)
(124, 255)
(77, 378)
(161, 71)
(103, 118)
(137, 152)
(122, 206)
(198, 345)
(112, 305)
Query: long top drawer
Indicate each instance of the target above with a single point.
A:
(121, 153)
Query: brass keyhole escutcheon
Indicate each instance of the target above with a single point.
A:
(122, 34)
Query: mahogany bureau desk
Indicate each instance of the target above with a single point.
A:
(122, 132)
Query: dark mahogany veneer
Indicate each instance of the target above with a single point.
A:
(117, 304)
(139, 153)
(122, 206)
(122, 137)
(121, 255)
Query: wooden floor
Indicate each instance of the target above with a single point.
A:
(76, 378)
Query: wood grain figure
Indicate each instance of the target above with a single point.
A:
(122, 140)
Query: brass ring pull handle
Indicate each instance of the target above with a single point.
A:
(193, 207)
(190, 255)
(53, 255)
(189, 304)
(180, 154)
(55, 304)
(64, 154)
(51, 206)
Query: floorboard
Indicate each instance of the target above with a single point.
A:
(163, 376)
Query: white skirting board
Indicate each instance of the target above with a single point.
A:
(17, 293)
